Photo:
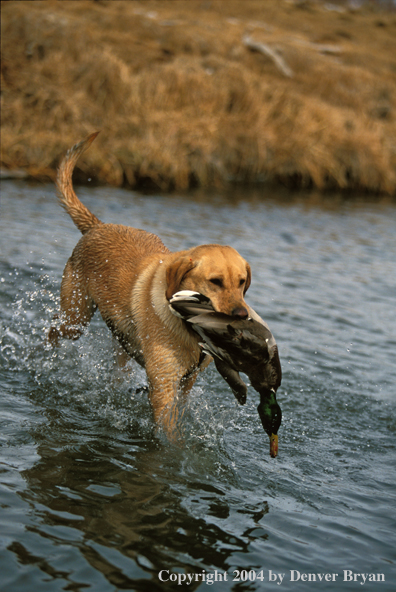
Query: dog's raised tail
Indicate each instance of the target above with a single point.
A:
(81, 216)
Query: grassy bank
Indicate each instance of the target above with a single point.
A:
(202, 92)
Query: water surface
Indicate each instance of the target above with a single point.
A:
(93, 496)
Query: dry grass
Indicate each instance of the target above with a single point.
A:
(182, 101)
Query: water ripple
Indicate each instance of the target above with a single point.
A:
(93, 495)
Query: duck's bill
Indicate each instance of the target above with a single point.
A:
(273, 445)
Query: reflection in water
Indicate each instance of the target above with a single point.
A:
(120, 496)
(27, 558)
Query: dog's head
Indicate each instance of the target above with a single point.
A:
(220, 273)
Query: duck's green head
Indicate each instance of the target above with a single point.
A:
(271, 417)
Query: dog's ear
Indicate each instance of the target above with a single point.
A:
(248, 277)
(175, 274)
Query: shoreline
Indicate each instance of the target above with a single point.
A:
(202, 94)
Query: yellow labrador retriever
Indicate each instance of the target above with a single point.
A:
(129, 275)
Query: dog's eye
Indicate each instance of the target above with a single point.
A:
(241, 282)
(217, 282)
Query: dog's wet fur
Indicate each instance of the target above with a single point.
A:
(129, 275)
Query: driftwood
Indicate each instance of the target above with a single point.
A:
(269, 52)
(279, 62)
(320, 47)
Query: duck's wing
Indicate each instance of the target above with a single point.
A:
(244, 341)
(212, 323)
(233, 379)
(225, 366)
(244, 345)
(213, 328)
(247, 346)
(217, 351)
(187, 303)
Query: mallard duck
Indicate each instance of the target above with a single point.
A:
(246, 346)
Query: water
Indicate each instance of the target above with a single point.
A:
(94, 497)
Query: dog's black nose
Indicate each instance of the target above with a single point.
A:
(240, 312)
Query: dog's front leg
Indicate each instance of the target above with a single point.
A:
(166, 386)
(164, 395)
